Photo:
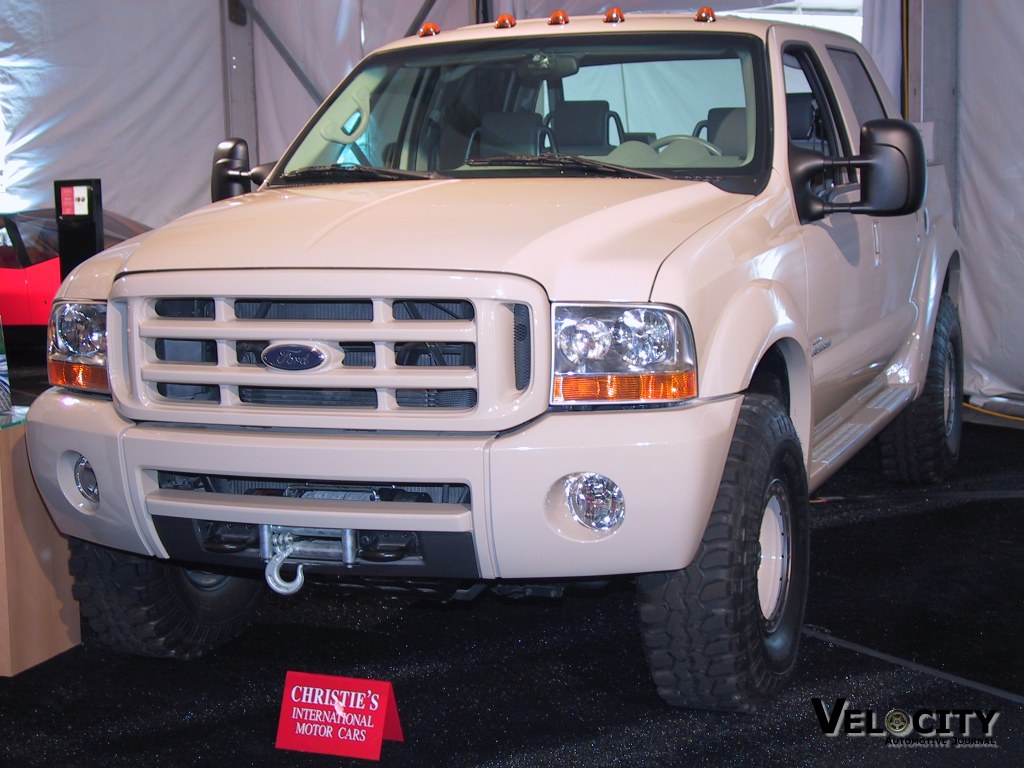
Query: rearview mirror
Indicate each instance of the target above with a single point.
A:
(893, 173)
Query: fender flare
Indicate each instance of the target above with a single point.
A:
(761, 317)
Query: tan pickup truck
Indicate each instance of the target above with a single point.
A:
(524, 305)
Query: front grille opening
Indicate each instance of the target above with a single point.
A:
(314, 398)
(359, 354)
(185, 308)
(351, 310)
(521, 345)
(431, 309)
(191, 392)
(186, 350)
(416, 353)
(436, 493)
(436, 398)
(248, 352)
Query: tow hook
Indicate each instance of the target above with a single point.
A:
(273, 571)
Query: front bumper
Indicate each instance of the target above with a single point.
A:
(668, 463)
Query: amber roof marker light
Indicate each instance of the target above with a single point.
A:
(505, 21)
(429, 30)
(614, 16)
(705, 15)
(558, 18)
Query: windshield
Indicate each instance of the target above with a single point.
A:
(675, 105)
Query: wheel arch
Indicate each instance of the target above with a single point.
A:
(939, 274)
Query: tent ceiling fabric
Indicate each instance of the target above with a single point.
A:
(126, 92)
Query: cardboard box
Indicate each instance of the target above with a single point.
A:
(38, 616)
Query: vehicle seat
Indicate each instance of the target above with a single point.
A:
(584, 127)
(501, 133)
(727, 130)
(802, 116)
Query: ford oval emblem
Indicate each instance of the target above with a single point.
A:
(292, 357)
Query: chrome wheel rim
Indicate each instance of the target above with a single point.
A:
(774, 563)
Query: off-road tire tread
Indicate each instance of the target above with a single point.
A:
(143, 606)
(701, 637)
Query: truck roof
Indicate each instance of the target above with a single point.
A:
(597, 24)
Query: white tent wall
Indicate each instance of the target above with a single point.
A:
(127, 92)
(992, 196)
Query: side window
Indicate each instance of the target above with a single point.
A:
(812, 120)
(867, 105)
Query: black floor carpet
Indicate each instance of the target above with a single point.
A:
(916, 603)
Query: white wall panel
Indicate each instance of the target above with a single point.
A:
(992, 196)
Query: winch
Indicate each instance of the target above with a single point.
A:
(347, 546)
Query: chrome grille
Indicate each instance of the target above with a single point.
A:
(412, 355)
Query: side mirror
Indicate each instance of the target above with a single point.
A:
(893, 167)
(230, 174)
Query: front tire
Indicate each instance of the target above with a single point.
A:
(151, 607)
(723, 633)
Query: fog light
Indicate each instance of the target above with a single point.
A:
(595, 501)
(85, 480)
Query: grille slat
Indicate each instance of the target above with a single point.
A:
(350, 378)
(253, 330)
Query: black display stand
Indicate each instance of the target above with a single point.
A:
(79, 204)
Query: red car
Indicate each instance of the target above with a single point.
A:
(29, 267)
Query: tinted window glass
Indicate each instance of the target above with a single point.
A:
(675, 104)
(866, 103)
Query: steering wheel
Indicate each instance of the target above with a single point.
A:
(664, 141)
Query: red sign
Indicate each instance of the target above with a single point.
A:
(74, 201)
(331, 715)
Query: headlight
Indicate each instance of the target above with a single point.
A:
(77, 345)
(621, 354)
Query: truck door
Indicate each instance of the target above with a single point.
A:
(846, 286)
(898, 239)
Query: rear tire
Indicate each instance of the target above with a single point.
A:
(723, 633)
(151, 607)
(922, 445)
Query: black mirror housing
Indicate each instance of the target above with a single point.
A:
(894, 168)
(894, 172)
(230, 174)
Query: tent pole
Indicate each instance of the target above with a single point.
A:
(285, 54)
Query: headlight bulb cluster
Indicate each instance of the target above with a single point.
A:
(588, 339)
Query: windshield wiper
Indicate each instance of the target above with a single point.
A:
(568, 162)
(328, 174)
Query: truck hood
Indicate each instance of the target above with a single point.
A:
(568, 234)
